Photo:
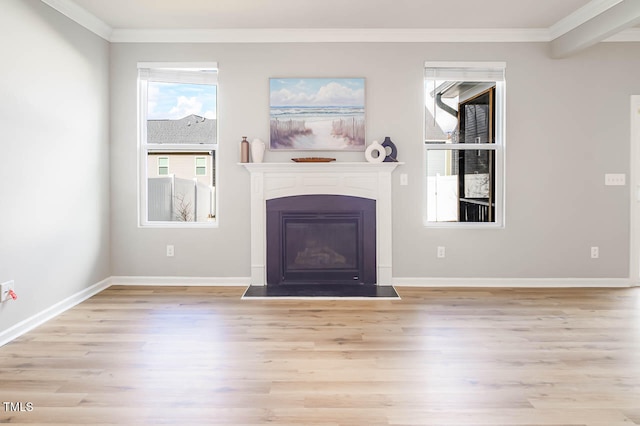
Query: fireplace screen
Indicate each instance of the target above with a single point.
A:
(331, 244)
(321, 239)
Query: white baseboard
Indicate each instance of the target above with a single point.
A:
(181, 281)
(407, 282)
(515, 282)
(40, 318)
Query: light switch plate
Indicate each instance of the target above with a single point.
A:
(615, 179)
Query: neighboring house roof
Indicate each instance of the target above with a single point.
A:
(191, 129)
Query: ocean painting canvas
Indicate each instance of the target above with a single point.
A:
(324, 114)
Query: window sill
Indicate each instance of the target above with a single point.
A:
(179, 225)
(462, 225)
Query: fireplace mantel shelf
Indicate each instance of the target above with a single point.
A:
(359, 166)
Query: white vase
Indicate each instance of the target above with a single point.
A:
(257, 151)
(375, 153)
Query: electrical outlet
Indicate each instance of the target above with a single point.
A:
(440, 252)
(170, 250)
(5, 290)
(595, 252)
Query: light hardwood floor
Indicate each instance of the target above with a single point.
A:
(194, 355)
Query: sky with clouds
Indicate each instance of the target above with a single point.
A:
(317, 92)
(174, 101)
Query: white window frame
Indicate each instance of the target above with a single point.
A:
(171, 72)
(472, 71)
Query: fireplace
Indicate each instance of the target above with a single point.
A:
(273, 181)
(321, 239)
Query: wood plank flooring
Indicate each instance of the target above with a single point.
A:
(441, 357)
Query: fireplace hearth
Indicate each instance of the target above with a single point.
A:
(321, 239)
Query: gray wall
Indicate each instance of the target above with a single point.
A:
(567, 125)
(54, 174)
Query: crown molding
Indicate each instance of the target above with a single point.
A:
(330, 35)
(628, 35)
(580, 16)
(342, 35)
(81, 16)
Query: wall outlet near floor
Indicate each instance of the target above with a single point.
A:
(595, 252)
(170, 250)
(440, 252)
(5, 289)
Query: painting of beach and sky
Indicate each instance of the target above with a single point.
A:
(317, 114)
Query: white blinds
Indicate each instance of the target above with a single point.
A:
(180, 72)
(465, 71)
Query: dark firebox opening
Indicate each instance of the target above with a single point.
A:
(321, 239)
(321, 244)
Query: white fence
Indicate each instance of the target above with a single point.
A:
(442, 198)
(175, 199)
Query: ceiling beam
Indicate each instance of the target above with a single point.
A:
(619, 17)
(81, 16)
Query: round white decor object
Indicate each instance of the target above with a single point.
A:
(375, 153)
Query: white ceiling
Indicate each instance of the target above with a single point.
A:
(226, 14)
(350, 20)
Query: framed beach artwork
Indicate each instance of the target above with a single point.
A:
(317, 114)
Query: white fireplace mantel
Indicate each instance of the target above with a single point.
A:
(359, 179)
